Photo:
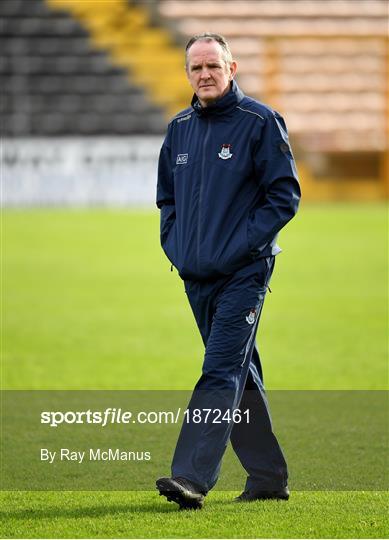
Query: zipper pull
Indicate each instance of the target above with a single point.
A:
(171, 268)
(269, 289)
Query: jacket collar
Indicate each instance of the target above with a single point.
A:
(223, 105)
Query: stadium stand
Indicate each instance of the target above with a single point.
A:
(289, 54)
(54, 82)
(322, 64)
(75, 67)
(147, 50)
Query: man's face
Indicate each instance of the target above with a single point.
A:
(207, 71)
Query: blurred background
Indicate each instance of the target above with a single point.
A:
(89, 85)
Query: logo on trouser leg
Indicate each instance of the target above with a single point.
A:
(251, 316)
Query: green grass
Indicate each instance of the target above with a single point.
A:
(89, 302)
(145, 515)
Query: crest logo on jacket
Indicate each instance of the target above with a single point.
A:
(225, 152)
(251, 316)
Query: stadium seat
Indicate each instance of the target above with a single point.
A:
(311, 60)
(314, 63)
(57, 83)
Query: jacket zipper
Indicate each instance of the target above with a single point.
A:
(201, 191)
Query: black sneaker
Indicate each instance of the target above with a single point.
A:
(181, 491)
(258, 495)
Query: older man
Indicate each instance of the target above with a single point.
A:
(227, 184)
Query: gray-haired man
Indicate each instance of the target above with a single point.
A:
(227, 184)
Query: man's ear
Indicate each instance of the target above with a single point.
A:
(233, 69)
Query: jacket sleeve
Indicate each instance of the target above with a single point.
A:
(276, 172)
(165, 191)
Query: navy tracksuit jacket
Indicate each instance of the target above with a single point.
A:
(227, 184)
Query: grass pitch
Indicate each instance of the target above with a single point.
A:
(89, 302)
(145, 515)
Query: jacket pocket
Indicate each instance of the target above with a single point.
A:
(264, 271)
(255, 252)
(237, 251)
(168, 218)
(170, 245)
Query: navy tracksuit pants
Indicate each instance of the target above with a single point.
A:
(227, 312)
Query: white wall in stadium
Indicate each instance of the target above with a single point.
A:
(111, 171)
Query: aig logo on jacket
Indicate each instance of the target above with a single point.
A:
(225, 152)
(182, 159)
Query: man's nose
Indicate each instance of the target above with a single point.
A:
(204, 73)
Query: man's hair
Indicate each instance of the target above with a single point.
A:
(209, 36)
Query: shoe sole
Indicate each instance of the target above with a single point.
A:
(264, 498)
(175, 493)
